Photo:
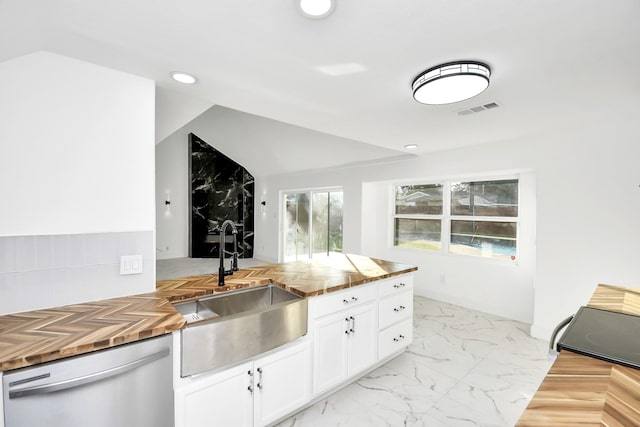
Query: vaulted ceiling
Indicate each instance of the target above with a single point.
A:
(555, 64)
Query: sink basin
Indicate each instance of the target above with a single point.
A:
(194, 311)
(234, 326)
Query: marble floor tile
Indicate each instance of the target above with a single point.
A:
(464, 368)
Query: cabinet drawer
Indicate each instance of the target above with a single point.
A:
(395, 338)
(395, 308)
(396, 285)
(340, 300)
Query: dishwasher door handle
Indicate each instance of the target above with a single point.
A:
(90, 378)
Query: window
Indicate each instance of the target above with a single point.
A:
(312, 224)
(418, 216)
(478, 218)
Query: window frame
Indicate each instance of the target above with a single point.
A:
(446, 217)
(418, 216)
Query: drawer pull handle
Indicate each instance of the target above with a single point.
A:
(400, 337)
(400, 285)
(344, 301)
(402, 307)
(354, 299)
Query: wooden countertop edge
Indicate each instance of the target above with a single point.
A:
(69, 351)
(170, 322)
(613, 402)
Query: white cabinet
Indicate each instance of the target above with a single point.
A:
(282, 383)
(344, 335)
(223, 399)
(395, 315)
(255, 393)
(350, 332)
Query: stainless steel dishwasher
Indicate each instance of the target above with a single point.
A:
(128, 385)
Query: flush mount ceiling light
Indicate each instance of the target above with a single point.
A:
(182, 77)
(316, 9)
(451, 82)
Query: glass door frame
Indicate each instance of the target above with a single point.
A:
(282, 215)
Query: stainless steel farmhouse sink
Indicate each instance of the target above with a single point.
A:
(234, 326)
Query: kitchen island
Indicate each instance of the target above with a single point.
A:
(39, 336)
(581, 390)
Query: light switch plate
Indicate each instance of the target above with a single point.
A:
(130, 264)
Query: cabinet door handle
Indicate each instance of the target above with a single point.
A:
(348, 330)
(353, 324)
(259, 378)
(250, 388)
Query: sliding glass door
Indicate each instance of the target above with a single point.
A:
(312, 224)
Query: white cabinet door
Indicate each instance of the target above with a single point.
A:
(282, 383)
(362, 337)
(330, 351)
(344, 344)
(222, 399)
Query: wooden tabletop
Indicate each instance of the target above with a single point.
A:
(45, 335)
(581, 390)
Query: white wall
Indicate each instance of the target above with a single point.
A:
(77, 147)
(77, 161)
(174, 110)
(585, 221)
(172, 225)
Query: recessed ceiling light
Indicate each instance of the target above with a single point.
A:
(451, 82)
(411, 146)
(185, 78)
(316, 9)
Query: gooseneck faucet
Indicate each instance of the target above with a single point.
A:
(234, 263)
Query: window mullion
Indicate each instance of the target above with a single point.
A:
(446, 220)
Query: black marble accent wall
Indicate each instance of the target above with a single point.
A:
(221, 189)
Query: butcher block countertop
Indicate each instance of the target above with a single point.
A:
(581, 390)
(45, 335)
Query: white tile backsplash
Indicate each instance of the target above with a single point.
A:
(10, 291)
(109, 250)
(61, 251)
(26, 253)
(8, 256)
(77, 251)
(44, 253)
(46, 271)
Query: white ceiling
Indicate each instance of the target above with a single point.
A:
(556, 64)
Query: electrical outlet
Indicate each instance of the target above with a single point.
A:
(130, 264)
